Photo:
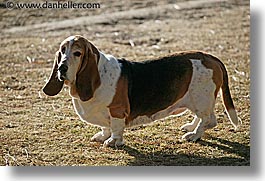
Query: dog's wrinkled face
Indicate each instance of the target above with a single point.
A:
(75, 65)
(72, 51)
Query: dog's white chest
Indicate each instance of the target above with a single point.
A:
(92, 112)
(95, 111)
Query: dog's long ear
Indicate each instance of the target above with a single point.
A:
(87, 78)
(54, 86)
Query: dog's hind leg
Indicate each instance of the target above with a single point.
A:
(198, 131)
(206, 121)
(189, 127)
(212, 122)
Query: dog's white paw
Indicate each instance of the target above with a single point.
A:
(191, 136)
(100, 136)
(188, 127)
(113, 142)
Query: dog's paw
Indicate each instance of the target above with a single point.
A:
(188, 127)
(100, 137)
(191, 136)
(113, 142)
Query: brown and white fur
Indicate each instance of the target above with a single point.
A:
(114, 93)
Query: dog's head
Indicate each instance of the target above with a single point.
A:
(75, 64)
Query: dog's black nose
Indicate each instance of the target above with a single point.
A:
(62, 72)
(63, 68)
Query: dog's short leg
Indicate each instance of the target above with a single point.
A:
(102, 135)
(199, 130)
(212, 122)
(117, 128)
(189, 127)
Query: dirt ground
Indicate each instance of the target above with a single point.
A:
(39, 130)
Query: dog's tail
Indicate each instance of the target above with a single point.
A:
(227, 99)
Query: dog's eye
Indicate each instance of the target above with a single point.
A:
(77, 54)
(63, 50)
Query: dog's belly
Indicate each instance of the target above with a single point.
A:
(141, 120)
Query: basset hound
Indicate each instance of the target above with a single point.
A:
(115, 93)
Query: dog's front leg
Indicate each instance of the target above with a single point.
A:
(101, 136)
(117, 128)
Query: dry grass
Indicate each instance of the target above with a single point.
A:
(40, 130)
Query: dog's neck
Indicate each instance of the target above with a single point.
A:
(103, 59)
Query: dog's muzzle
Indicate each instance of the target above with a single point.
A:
(62, 72)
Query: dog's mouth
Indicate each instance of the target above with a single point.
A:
(62, 72)
(61, 76)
